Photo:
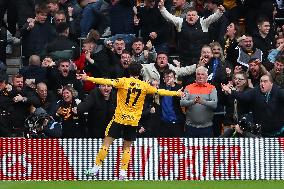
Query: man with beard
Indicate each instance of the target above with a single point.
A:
(21, 104)
(63, 76)
(141, 55)
(100, 105)
(277, 72)
(255, 72)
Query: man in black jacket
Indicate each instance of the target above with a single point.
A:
(21, 104)
(100, 105)
(62, 47)
(264, 38)
(266, 102)
(58, 78)
(36, 33)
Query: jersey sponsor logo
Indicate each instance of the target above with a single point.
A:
(127, 117)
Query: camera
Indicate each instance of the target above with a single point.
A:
(40, 125)
(247, 125)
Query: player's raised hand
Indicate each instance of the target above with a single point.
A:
(142, 130)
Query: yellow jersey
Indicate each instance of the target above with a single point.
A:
(130, 97)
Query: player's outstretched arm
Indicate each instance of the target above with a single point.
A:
(164, 92)
(101, 81)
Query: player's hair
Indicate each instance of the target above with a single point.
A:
(134, 69)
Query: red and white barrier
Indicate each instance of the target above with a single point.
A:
(151, 159)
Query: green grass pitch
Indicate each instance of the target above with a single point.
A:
(232, 184)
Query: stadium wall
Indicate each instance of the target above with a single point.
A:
(151, 159)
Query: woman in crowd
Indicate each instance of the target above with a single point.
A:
(234, 108)
(72, 125)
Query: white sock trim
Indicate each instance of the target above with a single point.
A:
(96, 168)
(123, 173)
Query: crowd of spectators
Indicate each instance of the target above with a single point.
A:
(227, 55)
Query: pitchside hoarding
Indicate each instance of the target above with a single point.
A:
(151, 159)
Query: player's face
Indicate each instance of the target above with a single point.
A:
(105, 90)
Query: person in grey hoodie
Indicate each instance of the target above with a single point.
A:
(200, 100)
